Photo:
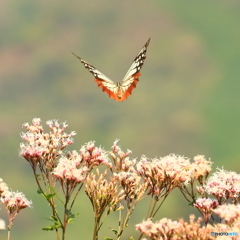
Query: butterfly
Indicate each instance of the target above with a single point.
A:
(119, 91)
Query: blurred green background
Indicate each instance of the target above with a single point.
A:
(187, 100)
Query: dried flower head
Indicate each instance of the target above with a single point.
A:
(132, 186)
(103, 194)
(164, 174)
(121, 160)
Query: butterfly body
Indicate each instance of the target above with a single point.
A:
(119, 91)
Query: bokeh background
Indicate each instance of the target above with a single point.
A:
(187, 100)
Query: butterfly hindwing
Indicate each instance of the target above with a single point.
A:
(119, 91)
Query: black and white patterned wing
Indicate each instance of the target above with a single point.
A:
(105, 83)
(130, 80)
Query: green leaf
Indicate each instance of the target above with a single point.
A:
(114, 231)
(49, 196)
(70, 215)
(55, 194)
(44, 195)
(51, 227)
(54, 226)
(40, 193)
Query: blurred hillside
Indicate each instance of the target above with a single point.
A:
(186, 102)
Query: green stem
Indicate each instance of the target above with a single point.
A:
(96, 229)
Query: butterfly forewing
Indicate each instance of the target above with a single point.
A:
(119, 91)
(93, 70)
(137, 63)
(106, 84)
(130, 80)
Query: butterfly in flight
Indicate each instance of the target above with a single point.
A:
(119, 91)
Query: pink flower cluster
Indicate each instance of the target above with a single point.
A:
(126, 180)
(159, 230)
(67, 170)
(46, 147)
(176, 230)
(206, 207)
(74, 166)
(224, 185)
(230, 213)
(171, 171)
(13, 201)
(92, 156)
